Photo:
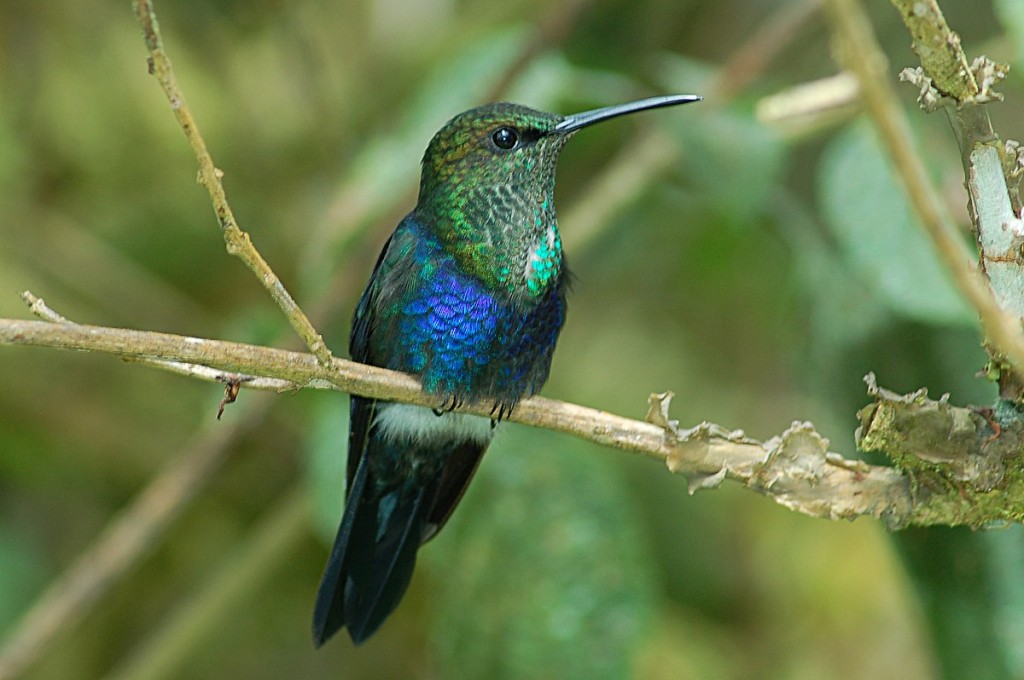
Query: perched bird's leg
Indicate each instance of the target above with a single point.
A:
(500, 411)
(450, 403)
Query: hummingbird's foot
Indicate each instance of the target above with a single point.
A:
(501, 410)
(450, 403)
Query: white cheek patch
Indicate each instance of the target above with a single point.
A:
(534, 259)
(418, 424)
(541, 251)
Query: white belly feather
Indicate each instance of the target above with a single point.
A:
(419, 424)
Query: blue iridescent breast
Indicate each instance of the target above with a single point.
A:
(448, 328)
(463, 338)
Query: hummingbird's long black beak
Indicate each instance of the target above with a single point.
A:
(579, 120)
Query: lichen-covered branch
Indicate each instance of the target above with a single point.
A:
(938, 47)
(992, 168)
(859, 51)
(962, 463)
(796, 468)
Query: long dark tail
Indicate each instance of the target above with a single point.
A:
(374, 553)
(372, 560)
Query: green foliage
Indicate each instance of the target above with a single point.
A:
(871, 219)
(1011, 14)
(974, 619)
(543, 557)
(759, 277)
(741, 164)
(19, 578)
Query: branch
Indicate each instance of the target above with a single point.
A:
(238, 242)
(811, 105)
(992, 168)
(938, 48)
(795, 469)
(861, 54)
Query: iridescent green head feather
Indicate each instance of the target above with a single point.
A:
(487, 190)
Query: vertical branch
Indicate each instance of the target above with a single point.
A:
(938, 47)
(991, 168)
(860, 53)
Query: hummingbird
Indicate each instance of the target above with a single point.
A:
(469, 295)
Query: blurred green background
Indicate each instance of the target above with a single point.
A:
(757, 271)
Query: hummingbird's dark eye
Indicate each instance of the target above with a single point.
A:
(505, 138)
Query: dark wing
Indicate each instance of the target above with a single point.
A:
(361, 409)
(457, 474)
(362, 319)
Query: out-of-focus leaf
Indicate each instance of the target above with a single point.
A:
(870, 217)
(542, 573)
(952, 569)
(20, 578)
(1011, 14)
(732, 161)
(843, 312)
(325, 468)
(552, 77)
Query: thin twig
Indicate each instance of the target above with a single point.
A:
(808, 106)
(238, 242)
(40, 309)
(861, 54)
(304, 371)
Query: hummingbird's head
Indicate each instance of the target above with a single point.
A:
(487, 191)
(488, 183)
(502, 144)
